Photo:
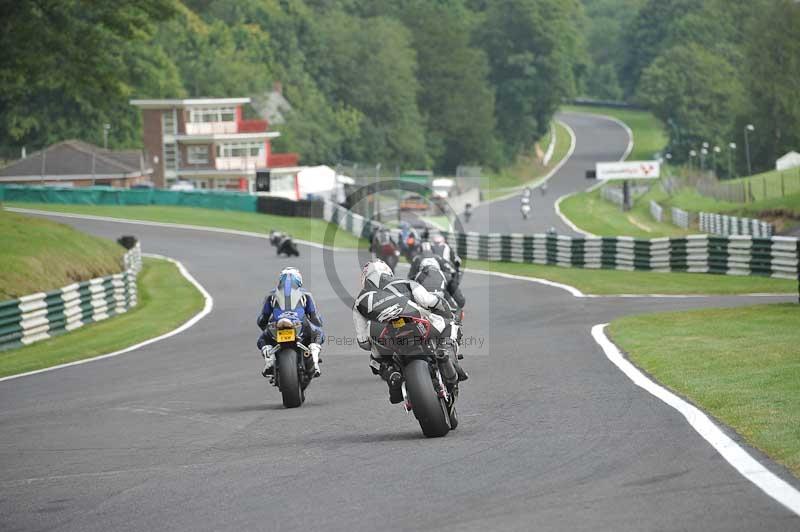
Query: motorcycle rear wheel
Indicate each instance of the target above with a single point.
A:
(427, 406)
(288, 378)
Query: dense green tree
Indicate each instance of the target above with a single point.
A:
(370, 66)
(606, 21)
(602, 83)
(694, 91)
(533, 48)
(455, 97)
(215, 59)
(772, 77)
(69, 66)
(651, 32)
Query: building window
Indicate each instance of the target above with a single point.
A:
(197, 154)
(222, 114)
(240, 149)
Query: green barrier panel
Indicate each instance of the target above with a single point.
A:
(232, 201)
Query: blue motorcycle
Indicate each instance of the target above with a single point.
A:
(294, 366)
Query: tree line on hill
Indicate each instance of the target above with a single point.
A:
(413, 83)
(706, 68)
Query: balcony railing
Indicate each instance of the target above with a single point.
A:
(241, 163)
(210, 128)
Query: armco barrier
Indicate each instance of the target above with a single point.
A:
(720, 224)
(40, 316)
(727, 255)
(681, 218)
(353, 223)
(232, 201)
(734, 255)
(656, 211)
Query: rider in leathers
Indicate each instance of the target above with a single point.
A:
(428, 255)
(382, 295)
(290, 296)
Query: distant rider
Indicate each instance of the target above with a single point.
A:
(290, 296)
(384, 247)
(380, 291)
(449, 263)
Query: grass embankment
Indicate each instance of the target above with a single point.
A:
(611, 282)
(527, 169)
(310, 229)
(649, 134)
(589, 281)
(782, 210)
(590, 212)
(166, 300)
(745, 370)
(38, 255)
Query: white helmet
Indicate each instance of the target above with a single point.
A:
(373, 271)
(430, 262)
(292, 274)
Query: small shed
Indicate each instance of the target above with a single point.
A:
(790, 160)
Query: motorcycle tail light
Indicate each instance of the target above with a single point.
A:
(285, 323)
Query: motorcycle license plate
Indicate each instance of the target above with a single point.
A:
(286, 335)
(398, 323)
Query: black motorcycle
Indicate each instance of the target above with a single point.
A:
(429, 379)
(283, 244)
(294, 365)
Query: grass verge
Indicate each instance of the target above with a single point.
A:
(310, 229)
(784, 212)
(744, 371)
(38, 255)
(611, 282)
(590, 212)
(527, 169)
(166, 300)
(649, 135)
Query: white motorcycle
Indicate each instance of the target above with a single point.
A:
(525, 209)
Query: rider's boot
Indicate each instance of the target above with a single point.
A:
(269, 361)
(315, 350)
(389, 373)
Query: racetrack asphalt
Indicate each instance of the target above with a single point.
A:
(185, 434)
(598, 139)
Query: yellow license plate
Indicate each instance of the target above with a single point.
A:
(286, 335)
(398, 323)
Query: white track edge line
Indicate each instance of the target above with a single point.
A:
(576, 292)
(569, 288)
(164, 224)
(735, 455)
(207, 307)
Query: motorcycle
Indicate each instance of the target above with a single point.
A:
(425, 371)
(283, 244)
(412, 246)
(294, 365)
(390, 255)
(467, 212)
(526, 210)
(386, 250)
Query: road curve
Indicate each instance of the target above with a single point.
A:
(186, 435)
(597, 139)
